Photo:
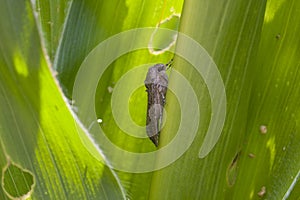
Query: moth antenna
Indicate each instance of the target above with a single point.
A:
(169, 64)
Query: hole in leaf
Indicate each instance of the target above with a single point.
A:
(17, 183)
(232, 170)
(162, 40)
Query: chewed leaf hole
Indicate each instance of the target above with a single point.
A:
(232, 170)
(17, 183)
(162, 40)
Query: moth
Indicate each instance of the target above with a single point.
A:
(157, 84)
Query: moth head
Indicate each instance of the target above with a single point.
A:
(160, 67)
(157, 68)
(157, 75)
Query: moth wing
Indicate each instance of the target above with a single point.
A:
(156, 99)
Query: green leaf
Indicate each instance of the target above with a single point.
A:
(51, 18)
(99, 26)
(17, 183)
(259, 64)
(251, 46)
(38, 131)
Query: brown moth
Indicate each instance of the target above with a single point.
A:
(157, 84)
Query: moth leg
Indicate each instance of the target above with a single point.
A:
(170, 63)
